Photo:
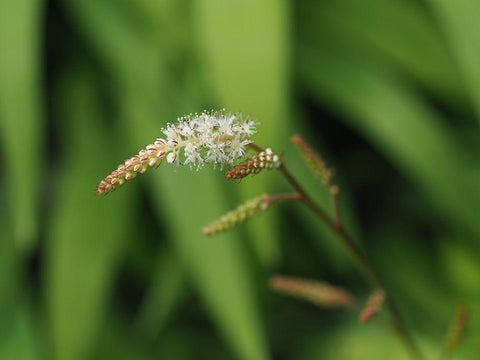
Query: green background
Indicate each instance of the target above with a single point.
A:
(387, 90)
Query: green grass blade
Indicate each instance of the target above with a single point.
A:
(377, 31)
(20, 341)
(86, 232)
(412, 134)
(459, 22)
(21, 112)
(167, 289)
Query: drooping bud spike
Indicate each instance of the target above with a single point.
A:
(264, 160)
(128, 170)
(319, 293)
(372, 306)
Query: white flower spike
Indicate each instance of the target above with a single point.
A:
(212, 137)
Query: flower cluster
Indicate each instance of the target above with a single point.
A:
(253, 165)
(239, 215)
(319, 293)
(214, 137)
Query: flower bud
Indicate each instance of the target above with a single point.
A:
(253, 165)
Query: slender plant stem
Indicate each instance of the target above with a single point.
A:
(337, 226)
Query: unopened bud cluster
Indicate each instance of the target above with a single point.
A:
(319, 293)
(253, 165)
(239, 215)
(214, 137)
(152, 156)
(313, 159)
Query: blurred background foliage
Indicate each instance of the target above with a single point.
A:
(388, 91)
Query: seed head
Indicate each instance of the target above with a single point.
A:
(214, 137)
(253, 165)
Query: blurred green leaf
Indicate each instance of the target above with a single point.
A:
(21, 340)
(357, 342)
(86, 232)
(461, 267)
(421, 295)
(117, 342)
(166, 291)
(9, 274)
(459, 22)
(410, 132)
(21, 112)
(378, 32)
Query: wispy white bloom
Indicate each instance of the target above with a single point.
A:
(212, 137)
(247, 128)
